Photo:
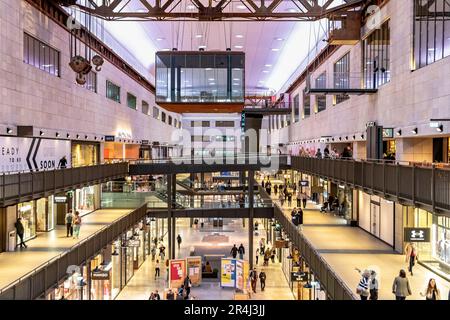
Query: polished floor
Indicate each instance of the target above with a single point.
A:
(48, 245)
(345, 248)
(144, 282)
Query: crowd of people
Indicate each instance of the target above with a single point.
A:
(346, 153)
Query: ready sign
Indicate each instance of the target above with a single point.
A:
(36, 154)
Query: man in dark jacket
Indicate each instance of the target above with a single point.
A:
(62, 163)
(234, 251)
(262, 280)
(187, 287)
(20, 231)
(241, 251)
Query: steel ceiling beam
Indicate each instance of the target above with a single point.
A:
(220, 10)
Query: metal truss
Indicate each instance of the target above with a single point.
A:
(215, 10)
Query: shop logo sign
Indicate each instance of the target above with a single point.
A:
(417, 235)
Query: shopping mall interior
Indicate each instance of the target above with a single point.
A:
(224, 150)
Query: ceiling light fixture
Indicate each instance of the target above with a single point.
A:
(440, 128)
(68, 135)
(199, 36)
(41, 133)
(399, 132)
(239, 47)
(240, 36)
(57, 134)
(414, 131)
(279, 39)
(8, 130)
(267, 65)
(275, 49)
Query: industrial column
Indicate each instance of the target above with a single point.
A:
(169, 216)
(251, 183)
(174, 219)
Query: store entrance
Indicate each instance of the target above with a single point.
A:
(375, 219)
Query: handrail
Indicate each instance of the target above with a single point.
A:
(40, 267)
(56, 169)
(279, 211)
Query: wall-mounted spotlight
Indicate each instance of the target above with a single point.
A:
(85, 136)
(101, 138)
(68, 135)
(354, 137)
(362, 136)
(78, 136)
(414, 131)
(346, 137)
(57, 134)
(95, 137)
(440, 128)
(340, 138)
(41, 133)
(332, 139)
(8, 130)
(399, 132)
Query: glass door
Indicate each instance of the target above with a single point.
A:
(375, 219)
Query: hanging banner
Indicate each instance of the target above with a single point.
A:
(177, 273)
(242, 272)
(36, 154)
(194, 270)
(228, 273)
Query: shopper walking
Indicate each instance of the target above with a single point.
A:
(162, 252)
(155, 295)
(253, 279)
(432, 292)
(363, 286)
(373, 286)
(262, 280)
(153, 252)
(20, 230)
(69, 219)
(187, 287)
(234, 251)
(170, 295)
(289, 198)
(76, 225)
(401, 287)
(272, 256)
(257, 256)
(266, 257)
(304, 200)
(179, 241)
(157, 269)
(411, 256)
(241, 251)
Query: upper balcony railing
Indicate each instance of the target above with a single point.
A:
(417, 184)
(345, 83)
(17, 187)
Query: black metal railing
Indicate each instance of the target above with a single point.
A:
(45, 277)
(26, 186)
(417, 184)
(334, 286)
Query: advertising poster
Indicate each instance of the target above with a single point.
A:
(36, 154)
(228, 273)
(194, 269)
(177, 272)
(240, 278)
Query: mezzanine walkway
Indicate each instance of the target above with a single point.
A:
(344, 248)
(49, 245)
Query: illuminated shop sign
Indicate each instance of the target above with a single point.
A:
(417, 235)
(388, 133)
(110, 138)
(60, 199)
(299, 276)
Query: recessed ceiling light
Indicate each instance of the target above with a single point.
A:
(202, 47)
(268, 65)
(190, 7)
(212, 83)
(166, 49)
(292, 10)
(238, 47)
(199, 36)
(265, 71)
(279, 39)
(240, 36)
(211, 79)
(236, 79)
(241, 6)
(208, 69)
(159, 39)
(275, 49)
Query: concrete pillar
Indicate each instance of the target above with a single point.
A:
(174, 220)
(251, 183)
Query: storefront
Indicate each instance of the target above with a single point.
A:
(118, 150)
(26, 211)
(45, 214)
(85, 153)
(377, 216)
(72, 288)
(86, 200)
(435, 253)
(345, 200)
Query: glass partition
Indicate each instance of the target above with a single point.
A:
(200, 77)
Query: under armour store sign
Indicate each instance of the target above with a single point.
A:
(36, 154)
(417, 235)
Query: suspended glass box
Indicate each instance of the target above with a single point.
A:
(200, 81)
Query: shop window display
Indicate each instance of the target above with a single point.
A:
(26, 212)
(84, 200)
